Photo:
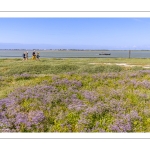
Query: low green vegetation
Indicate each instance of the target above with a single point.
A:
(74, 95)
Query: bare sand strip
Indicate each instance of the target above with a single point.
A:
(122, 64)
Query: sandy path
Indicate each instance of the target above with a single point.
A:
(122, 64)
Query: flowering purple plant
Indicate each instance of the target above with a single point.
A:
(103, 102)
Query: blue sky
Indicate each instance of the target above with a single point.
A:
(75, 33)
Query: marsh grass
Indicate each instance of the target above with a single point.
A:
(72, 95)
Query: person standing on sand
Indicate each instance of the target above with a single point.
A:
(33, 55)
(24, 56)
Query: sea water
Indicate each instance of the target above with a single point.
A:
(78, 53)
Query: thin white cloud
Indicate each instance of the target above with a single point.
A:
(141, 20)
(137, 20)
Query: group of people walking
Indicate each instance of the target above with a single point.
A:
(35, 56)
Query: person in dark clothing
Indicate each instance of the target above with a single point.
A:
(24, 56)
(38, 56)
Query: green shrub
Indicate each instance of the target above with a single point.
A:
(65, 68)
(100, 69)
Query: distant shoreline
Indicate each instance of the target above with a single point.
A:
(78, 53)
(65, 50)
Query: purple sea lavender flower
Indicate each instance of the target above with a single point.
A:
(98, 108)
(96, 128)
(124, 122)
(6, 102)
(21, 118)
(144, 83)
(36, 116)
(90, 95)
(134, 115)
(23, 76)
(78, 107)
(133, 82)
(91, 110)
(5, 122)
(76, 104)
(146, 112)
(117, 93)
(74, 96)
(144, 71)
(68, 83)
(116, 106)
(83, 121)
(6, 130)
(143, 96)
(122, 125)
(135, 74)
